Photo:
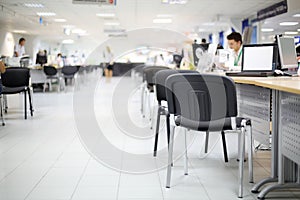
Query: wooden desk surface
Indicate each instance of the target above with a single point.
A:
(286, 84)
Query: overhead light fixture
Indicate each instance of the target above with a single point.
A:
(267, 30)
(19, 31)
(163, 16)
(112, 23)
(68, 41)
(291, 32)
(60, 20)
(208, 24)
(78, 31)
(34, 5)
(296, 15)
(174, 1)
(162, 21)
(288, 23)
(201, 30)
(46, 14)
(105, 15)
(298, 30)
(68, 26)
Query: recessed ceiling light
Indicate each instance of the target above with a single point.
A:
(60, 20)
(106, 14)
(296, 15)
(288, 23)
(267, 30)
(174, 1)
(19, 31)
(298, 30)
(112, 23)
(162, 21)
(201, 30)
(68, 41)
(34, 5)
(291, 32)
(47, 14)
(78, 31)
(163, 15)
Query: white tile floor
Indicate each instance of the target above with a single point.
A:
(43, 158)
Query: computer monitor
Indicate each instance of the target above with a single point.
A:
(287, 52)
(259, 57)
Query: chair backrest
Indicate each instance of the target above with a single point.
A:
(15, 77)
(149, 72)
(69, 70)
(201, 97)
(50, 70)
(160, 79)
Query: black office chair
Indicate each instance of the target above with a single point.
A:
(16, 80)
(159, 80)
(206, 103)
(148, 74)
(69, 72)
(52, 74)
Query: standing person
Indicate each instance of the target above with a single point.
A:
(203, 41)
(2, 70)
(110, 60)
(235, 42)
(20, 48)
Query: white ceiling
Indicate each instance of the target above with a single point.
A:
(131, 14)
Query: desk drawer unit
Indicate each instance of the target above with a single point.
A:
(255, 103)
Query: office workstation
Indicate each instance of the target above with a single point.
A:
(164, 99)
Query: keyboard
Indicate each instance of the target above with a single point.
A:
(250, 74)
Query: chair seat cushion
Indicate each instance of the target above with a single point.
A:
(215, 125)
(14, 90)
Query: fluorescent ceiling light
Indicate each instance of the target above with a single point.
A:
(208, 24)
(267, 30)
(78, 31)
(68, 26)
(296, 15)
(174, 1)
(291, 32)
(68, 41)
(47, 14)
(288, 23)
(162, 21)
(34, 5)
(19, 31)
(106, 14)
(163, 15)
(201, 30)
(298, 30)
(60, 20)
(112, 23)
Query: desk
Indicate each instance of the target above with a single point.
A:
(285, 130)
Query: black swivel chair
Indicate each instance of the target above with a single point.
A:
(159, 80)
(16, 80)
(207, 103)
(52, 74)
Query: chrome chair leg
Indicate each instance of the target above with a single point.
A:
(170, 157)
(241, 158)
(185, 154)
(250, 153)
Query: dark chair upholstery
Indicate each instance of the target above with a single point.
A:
(159, 81)
(69, 72)
(207, 103)
(16, 80)
(148, 75)
(52, 74)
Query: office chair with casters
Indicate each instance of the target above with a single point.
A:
(159, 80)
(207, 103)
(148, 87)
(16, 80)
(52, 74)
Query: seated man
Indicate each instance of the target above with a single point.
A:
(235, 43)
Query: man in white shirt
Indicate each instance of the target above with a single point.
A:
(235, 43)
(20, 48)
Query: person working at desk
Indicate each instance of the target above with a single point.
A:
(235, 43)
(20, 48)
